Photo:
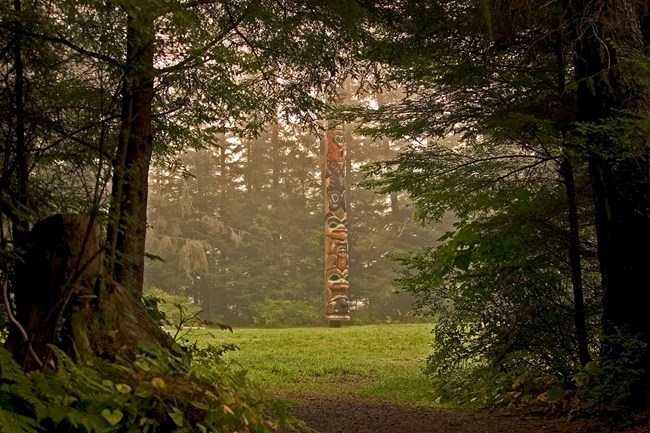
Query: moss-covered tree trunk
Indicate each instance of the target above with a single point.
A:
(66, 297)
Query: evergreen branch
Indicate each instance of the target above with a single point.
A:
(507, 175)
(196, 3)
(197, 55)
(475, 161)
(248, 43)
(74, 47)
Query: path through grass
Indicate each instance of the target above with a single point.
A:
(382, 361)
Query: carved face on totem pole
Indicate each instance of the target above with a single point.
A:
(336, 146)
(335, 193)
(342, 258)
(336, 228)
(337, 281)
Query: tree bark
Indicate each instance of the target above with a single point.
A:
(128, 213)
(607, 34)
(19, 192)
(579, 318)
(567, 172)
(66, 298)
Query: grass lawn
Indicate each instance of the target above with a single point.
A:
(382, 361)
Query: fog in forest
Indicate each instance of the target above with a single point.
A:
(236, 230)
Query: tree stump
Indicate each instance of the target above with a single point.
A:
(65, 297)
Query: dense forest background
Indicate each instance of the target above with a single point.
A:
(239, 227)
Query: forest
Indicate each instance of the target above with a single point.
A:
(168, 163)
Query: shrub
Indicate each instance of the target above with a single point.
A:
(172, 310)
(281, 313)
(607, 386)
(157, 392)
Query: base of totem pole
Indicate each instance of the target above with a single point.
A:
(336, 320)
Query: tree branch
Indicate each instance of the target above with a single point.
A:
(199, 53)
(16, 323)
(74, 47)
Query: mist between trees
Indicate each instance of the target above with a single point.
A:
(239, 227)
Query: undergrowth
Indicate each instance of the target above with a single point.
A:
(159, 392)
(595, 390)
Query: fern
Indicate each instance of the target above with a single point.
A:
(17, 399)
(11, 422)
(10, 371)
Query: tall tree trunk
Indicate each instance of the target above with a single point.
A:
(222, 163)
(19, 196)
(128, 213)
(605, 31)
(568, 174)
(579, 318)
(276, 160)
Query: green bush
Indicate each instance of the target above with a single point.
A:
(598, 389)
(168, 309)
(281, 313)
(157, 392)
(607, 386)
(482, 385)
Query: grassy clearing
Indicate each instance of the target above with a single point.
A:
(382, 361)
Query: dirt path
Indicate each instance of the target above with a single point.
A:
(347, 415)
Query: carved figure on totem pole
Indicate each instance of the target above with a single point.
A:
(336, 228)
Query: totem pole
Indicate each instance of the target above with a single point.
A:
(336, 225)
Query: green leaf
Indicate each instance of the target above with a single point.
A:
(11, 371)
(199, 405)
(113, 417)
(463, 259)
(581, 379)
(176, 416)
(123, 388)
(555, 393)
(552, 395)
(592, 368)
(448, 235)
